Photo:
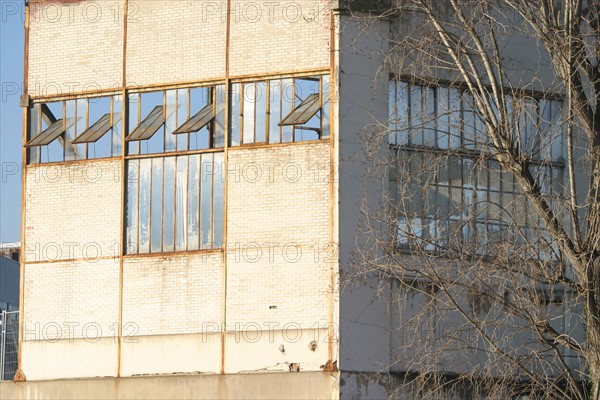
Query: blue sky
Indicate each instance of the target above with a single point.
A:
(11, 81)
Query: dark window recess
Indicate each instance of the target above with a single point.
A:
(198, 121)
(148, 127)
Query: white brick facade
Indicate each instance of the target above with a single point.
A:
(172, 294)
(180, 312)
(278, 221)
(73, 211)
(75, 46)
(175, 41)
(261, 29)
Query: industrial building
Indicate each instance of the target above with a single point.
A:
(191, 200)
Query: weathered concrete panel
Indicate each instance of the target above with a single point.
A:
(300, 385)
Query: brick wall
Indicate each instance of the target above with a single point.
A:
(172, 294)
(75, 46)
(175, 41)
(71, 300)
(278, 233)
(73, 211)
(279, 36)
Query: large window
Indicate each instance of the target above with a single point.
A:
(280, 110)
(449, 192)
(175, 203)
(186, 119)
(76, 129)
(174, 120)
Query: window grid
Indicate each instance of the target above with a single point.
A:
(477, 201)
(171, 203)
(76, 118)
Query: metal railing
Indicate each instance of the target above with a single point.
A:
(9, 343)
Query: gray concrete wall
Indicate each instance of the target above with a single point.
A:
(364, 314)
(9, 281)
(298, 385)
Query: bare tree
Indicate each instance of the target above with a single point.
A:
(489, 223)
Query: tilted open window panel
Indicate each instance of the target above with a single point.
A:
(176, 120)
(75, 129)
(280, 110)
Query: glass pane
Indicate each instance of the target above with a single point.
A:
(193, 227)
(117, 129)
(249, 112)
(131, 206)
(134, 120)
(169, 204)
(325, 106)
(469, 124)
(182, 116)
(199, 98)
(402, 104)
(443, 131)
(144, 205)
(156, 144)
(416, 124)
(235, 114)
(287, 105)
(181, 204)
(70, 132)
(557, 132)
(261, 112)
(170, 120)
(218, 199)
(429, 116)
(220, 109)
(54, 152)
(98, 107)
(454, 118)
(205, 200)
(275, 109)
(393, 113)
(34, 130)
(157, 204)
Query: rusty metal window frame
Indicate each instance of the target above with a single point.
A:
(71, 126)
(281, 125)
(192, 121)
(182, 213)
